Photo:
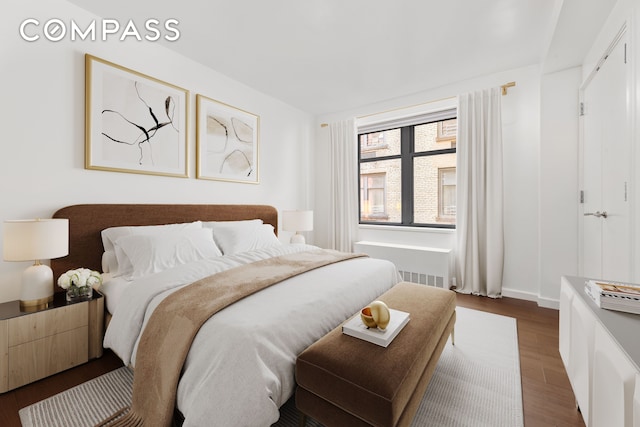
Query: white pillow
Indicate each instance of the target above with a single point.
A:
(238, 237)
(109, 261)
(122, 264)
(222, 228)
(150, 254)
(244, 223)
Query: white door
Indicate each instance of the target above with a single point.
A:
(606, 243)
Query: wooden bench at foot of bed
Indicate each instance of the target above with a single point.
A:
(345, 381)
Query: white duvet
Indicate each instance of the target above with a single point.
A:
(240, 368)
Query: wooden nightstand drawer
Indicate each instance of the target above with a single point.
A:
(34, 345)
(46, 323)
(37, 359)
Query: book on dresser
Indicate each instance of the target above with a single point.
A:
(614, 296)
(355, 328)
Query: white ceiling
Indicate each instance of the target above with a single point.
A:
(325, 56)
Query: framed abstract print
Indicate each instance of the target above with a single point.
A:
(133, 122)
(227, 142)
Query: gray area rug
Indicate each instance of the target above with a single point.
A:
(476, 383)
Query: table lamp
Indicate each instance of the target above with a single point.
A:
(297, 221)
(36, 240)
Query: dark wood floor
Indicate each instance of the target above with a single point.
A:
(547, 396)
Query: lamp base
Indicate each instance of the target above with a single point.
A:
(297, 238)
(37, 287)
(35, 304)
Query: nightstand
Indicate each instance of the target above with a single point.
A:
(34, 345)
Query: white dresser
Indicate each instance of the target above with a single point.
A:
(601, 353)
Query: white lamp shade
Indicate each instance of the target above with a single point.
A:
(297, 220)
(35, 239)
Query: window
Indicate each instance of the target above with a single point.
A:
(373, 196)
(447, 194)
(408, 173)
(447, 130)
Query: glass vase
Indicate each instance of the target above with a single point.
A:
(75, 294)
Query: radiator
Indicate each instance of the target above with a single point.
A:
(417, 264)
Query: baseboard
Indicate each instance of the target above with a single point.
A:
(549, 303)
(513, 293)
(530, 296)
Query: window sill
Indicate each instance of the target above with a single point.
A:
(407, 228)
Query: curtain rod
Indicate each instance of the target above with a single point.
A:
(504, 88)
(507, 85)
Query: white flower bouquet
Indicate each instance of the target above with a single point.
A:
(79, 283)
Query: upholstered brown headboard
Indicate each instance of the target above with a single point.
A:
(87, 221)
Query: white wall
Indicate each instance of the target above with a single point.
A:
(558, 181)
(42, 116)
(521, 136)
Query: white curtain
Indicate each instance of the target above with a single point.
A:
(343, 200)
(479, 218)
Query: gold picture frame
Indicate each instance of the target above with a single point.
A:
(133, 122)
(227, 142)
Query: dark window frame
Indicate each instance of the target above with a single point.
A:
(406, 156)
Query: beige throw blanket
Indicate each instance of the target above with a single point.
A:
(173, 325)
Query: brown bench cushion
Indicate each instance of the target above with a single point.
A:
(372, 383)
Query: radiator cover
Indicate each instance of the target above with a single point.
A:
(417, 264)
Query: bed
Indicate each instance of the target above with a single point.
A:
(240, 368)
